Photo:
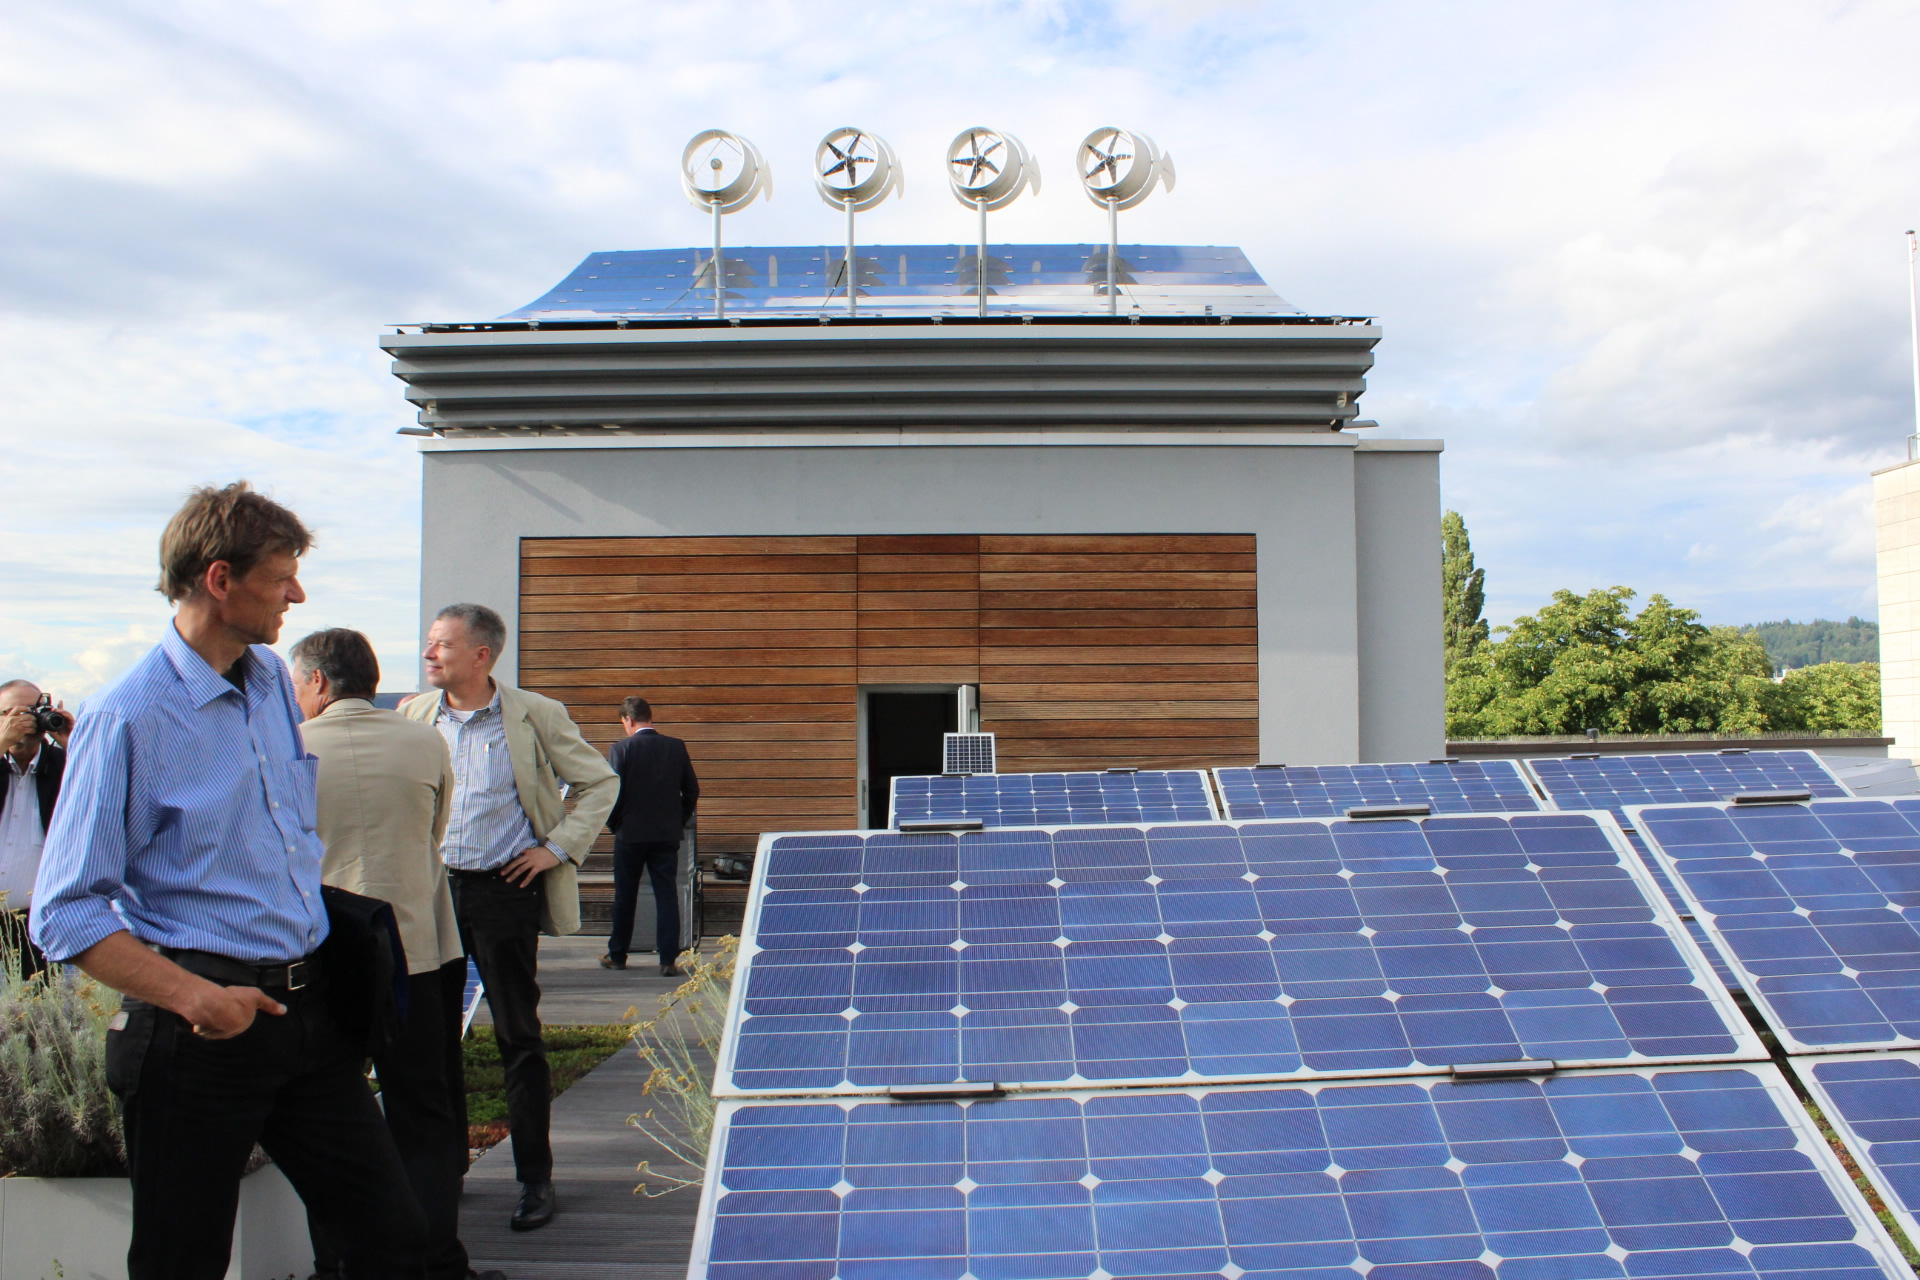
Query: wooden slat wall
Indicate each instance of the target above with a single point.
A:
(1119, 650)
(919, 610)
(746, 644)
(1089, 651)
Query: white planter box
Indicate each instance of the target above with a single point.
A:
(84, 1224)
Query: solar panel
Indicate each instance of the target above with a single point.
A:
(1873, 1099)
(1142, 954)
(1058, 799)
(1635, 1173)
(967, 753)
(1614, 782)
(1815, 904)
(1329, 790)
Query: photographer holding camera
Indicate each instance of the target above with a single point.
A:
(33, 737)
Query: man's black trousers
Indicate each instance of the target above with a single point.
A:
(195, 1107)
(418, 1095)
(500, 928)
(660, 860)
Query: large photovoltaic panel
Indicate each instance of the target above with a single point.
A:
(1144, 954)
(1613, 782)
(1873, 1099)
(1593, 1175)
(1055, 799)
(1323, 791)
(1815, 904)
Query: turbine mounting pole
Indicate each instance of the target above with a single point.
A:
(1913, 320)
(853, 290)
(718, 264)
(1113, 251)
(980, 263)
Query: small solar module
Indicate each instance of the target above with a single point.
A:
(1614, 782)
(1329, 790)
(1873, 1099)
(1057, 799)
(1256, 950)
(1586, 1175)
(1815, 904)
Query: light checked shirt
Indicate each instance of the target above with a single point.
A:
(487, 827)
(186, 816)
(21, 835)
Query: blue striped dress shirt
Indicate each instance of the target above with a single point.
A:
(186, 816)
(486, 825)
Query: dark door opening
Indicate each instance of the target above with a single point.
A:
(903, 738)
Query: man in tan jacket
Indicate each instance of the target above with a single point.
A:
(513, 853)
(385, 788)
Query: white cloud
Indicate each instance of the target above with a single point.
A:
(1640, 266)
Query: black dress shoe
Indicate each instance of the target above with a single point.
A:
(669, 970)
(613, 962)
(535, 1209)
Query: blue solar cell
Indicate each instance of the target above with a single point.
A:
(1873, 1099)
(1645, 1172)
(1328, 791)
(1210, 951)
(1057, 799)
(1815, 906)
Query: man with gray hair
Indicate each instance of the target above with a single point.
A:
(33, 738)
(512, 852)
(385, 789)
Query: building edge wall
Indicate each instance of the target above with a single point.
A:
(1896, 518)
(1298, 502)
(1400, 644)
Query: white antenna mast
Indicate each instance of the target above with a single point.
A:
(1118, 169)
(988, 169)
(1913, 321)
(723, 172)
(837, 173)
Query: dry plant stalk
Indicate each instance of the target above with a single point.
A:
(680, 1043)
(57, 1117)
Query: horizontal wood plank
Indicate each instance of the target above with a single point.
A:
(739, 623)
(1119, 562)
(969, 582)
(919, 544)
(689, 677)
(1091, 691)
(1067, 637)
(699, 566)
(559, 645)
(1054, 544)
(659, 602)
(880, 563)
(1116, 581)
(1093, 621)
(1114, 654)
(1157, 600)
(576, 587)
(1098, 710)
(1144, 674)
(807, 544)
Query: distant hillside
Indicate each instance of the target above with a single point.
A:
(1792, 645)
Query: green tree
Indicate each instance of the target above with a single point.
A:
(1832, 695)
(1463, 591)
(1589, 662)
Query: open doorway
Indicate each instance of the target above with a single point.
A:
(903, 737)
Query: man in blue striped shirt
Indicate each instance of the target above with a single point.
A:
(182, 869)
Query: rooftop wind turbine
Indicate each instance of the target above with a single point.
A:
(989, 169)
(854, 170)
(723, 172)
(1118, 169)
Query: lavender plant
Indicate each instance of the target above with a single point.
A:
(57, 1117)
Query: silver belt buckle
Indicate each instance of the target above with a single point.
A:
(296, 975)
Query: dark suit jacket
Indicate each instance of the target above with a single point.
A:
(46, 779)
(657, 789)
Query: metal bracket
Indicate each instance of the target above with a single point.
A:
(956, 1091)
(1378, 812)
(1772, 797)
(1504, 1070)
(935, 826)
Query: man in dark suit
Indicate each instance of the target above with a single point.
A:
(29, 786)
(657, 796)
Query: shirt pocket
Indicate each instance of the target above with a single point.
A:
(303, 791)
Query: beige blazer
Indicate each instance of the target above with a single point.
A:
(385, 787)
(548, 750)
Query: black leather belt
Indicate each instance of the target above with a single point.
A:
(292, 976)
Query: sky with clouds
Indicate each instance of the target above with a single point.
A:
(1640, 264)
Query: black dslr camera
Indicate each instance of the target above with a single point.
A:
(48, 718)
